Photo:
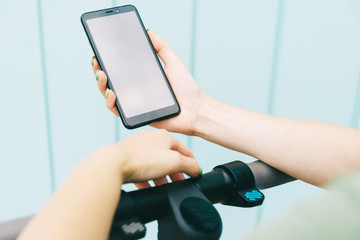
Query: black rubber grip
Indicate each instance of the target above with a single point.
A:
(267, 176)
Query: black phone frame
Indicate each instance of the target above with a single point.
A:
(145, 118)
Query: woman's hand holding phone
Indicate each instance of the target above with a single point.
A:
(188, 92)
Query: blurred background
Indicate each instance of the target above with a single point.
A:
(298, 59)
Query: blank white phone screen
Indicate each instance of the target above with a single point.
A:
(130, 63)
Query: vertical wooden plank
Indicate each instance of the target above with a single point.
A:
(319, 63)
(275, 58)
(46, 94)
(24, 171)
(233, 60)
(318, 72)
(80, 121)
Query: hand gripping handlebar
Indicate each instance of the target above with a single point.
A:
(184, 209)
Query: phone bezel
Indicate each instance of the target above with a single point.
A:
(145, 118)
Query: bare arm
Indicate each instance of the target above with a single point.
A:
(315, 152)
(84, 206)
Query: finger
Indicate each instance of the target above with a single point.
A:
(180, 147)
(177, 163)
(110, 102)
(163, 49)
(101, 81)
(191, 167)
(95, 64)
(160, 181)
(177, 177)
(142, 185)
(175, 144)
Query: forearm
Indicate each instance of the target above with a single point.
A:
(83, 207)
(314, 152)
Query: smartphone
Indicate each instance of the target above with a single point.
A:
(125, 53)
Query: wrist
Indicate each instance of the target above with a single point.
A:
(106, 161)
(120, 157)
(206, 117)
(200, 116)
(219, 123)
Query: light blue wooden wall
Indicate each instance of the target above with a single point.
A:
(24, 171)
(295, 58)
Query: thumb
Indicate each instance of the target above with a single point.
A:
(163, 49)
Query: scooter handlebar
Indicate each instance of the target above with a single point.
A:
(218, 186)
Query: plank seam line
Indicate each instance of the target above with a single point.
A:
(276, 54)
(46, 96)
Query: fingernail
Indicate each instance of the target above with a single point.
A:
(92, 61)
(107, 93)
(147, 29)
(97, 75)
(201, 172)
